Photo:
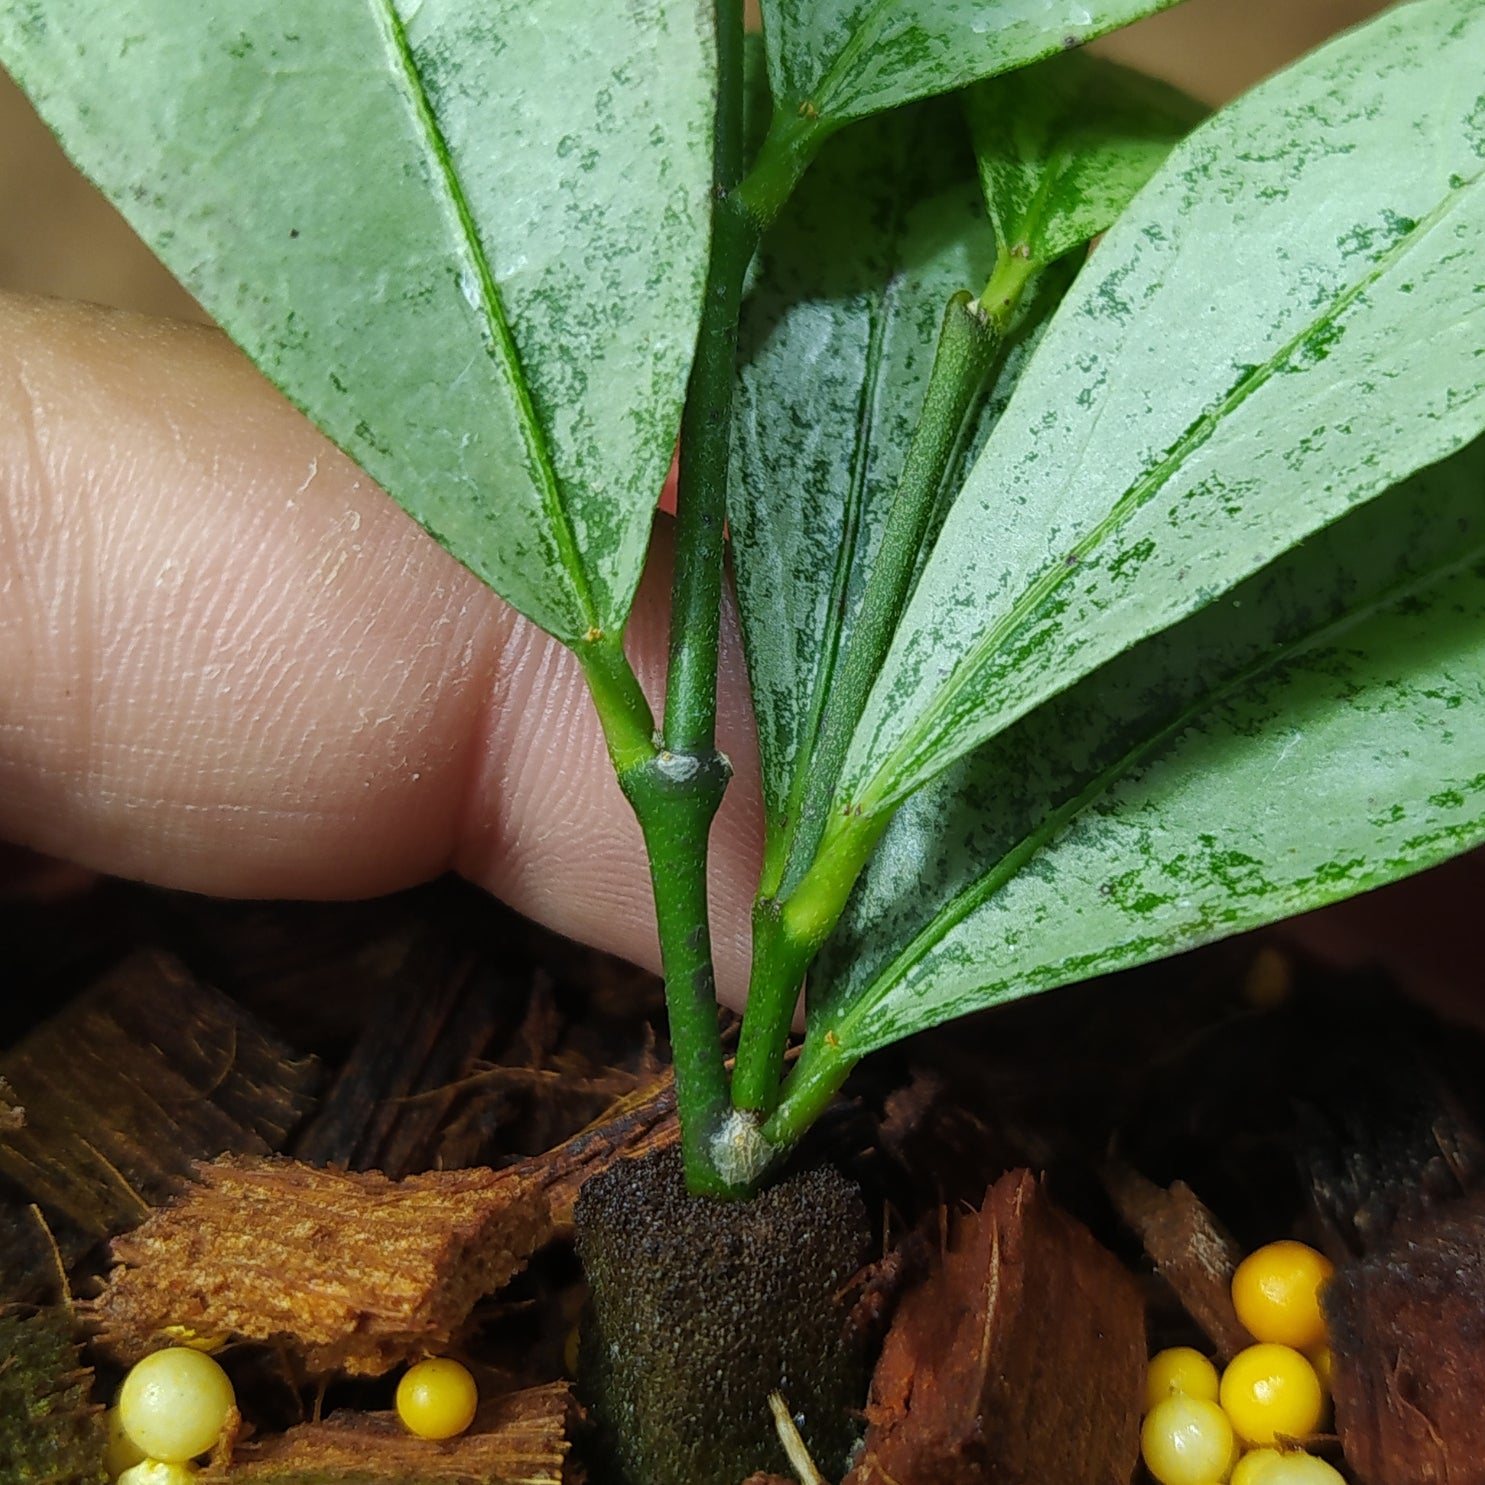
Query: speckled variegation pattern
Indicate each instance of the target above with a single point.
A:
(467, 237)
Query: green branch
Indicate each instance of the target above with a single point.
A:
(788, 928)
(706, 424)
(675, 780)
(675, 796)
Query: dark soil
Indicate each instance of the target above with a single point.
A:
(435, 1031)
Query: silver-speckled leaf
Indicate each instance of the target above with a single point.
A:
(1318, 731)
(836, 345)
(467, 237)
(1064, 146)
(841, 59)
(1288, 320)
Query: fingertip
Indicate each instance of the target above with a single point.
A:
(230, 663)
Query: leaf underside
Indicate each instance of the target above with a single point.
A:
(842, 59)
(1287, 321)
(468, 241)
(1188, 657)
(1318, 732)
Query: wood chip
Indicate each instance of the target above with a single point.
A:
(1407, 1330)
(133, 1082)
(637, 1124)
(12, 1115)
(1021, 1360)
(519, 1439)
(36, 1252)
(1392, 1131)
(424, 1034)
(357, 1271)
(1190, 1249)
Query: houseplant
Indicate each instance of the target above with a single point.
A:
(1058, 728)
(1093, 609)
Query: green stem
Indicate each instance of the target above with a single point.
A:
(788, 929)
(815, 1080)
(779, 963)
(967, 347)
(676, 791)
(675, 796)
(706, 424)
(793, 931)
(793, 140)
(628, 723)
(1001, 297)
(676, 785)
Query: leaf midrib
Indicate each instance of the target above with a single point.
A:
(880, 315)
(537, 449)
(903, 768)
(840, 581)
(954, 912)
(865, 32)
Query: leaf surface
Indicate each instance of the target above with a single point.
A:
(1288, 320)
(1064, 146)
(836, 345)
(1318, 732)
(838, 60)
(466, 237)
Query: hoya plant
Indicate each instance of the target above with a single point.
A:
(1096, 603)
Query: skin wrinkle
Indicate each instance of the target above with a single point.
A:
(540, 801)
(298, 693)
(40, 607)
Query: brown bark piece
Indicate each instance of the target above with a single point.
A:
(114, 1099)
(358, 1271)
(637, 1124)
(1407, 1331)
(519, 1439)
(1190, 1249)
(1020, 1361)
(36, 1252)
(390, 1099)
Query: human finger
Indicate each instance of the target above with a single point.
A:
(228, 662)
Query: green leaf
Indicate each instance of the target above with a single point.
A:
(1288, 320)
(1318, 732)
(836, 345)
(1064, 146)
(466, 239)
(837, 60)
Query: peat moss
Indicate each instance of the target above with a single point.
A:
(50, 1434)
(701, 1308)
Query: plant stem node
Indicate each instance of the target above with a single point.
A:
(740, 1154)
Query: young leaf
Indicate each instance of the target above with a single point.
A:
(1064, 146)
(836, 344)
(1288, 320)
(466, 239)
(1318, 732)
(837, 60)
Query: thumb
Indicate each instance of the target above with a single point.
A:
(228, 662)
